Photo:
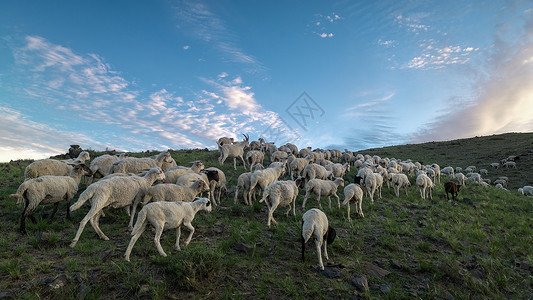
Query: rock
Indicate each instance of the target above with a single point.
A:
(59, 282)
(241, 247)
(6, 295)
(471, 259)
(395, 264)
(449, 296)
(360, 282)
(331, 272)
(83, 291)
(104, 255)
(385, 288)
(375, 287)
(371, 269)
(77, 276)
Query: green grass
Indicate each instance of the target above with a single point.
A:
(439, 247)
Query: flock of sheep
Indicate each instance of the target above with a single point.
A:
(125, 182)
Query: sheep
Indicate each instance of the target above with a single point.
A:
(243, 183)
(53, 167)
(167, 215)
(303, 152)
(278, 156)
(115, 192)
(321, 187)
(338, 170)
(265, 177)
(216, 187)
(208, 176)
(509, 164)
(499, 186)
(101, 165)
(470, 169)
(460, 178)
(475, 177)
(526, 190)
(347, 158)
(398, 181)
(373, 183)
(172, 174)
(235, 150)
(458, 169)
(297, 165)
(280, 193)
(452, 188)
(254, 157)
(135, 165)
(315, 223)
(448, 171)
(425, 186)
(49, 189)
(312, 171)
(483, 172)
(495, 165)
(225, 140)
(436, 168)
(353, 191)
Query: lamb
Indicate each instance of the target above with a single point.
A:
(483, 172)
(353, 191)
(321, 187)
(509, 164)
(235, 150)
(312, 171)
(373, 183)
(499, 186)
(460, 178)
(495, 165)
(48, 189)
(475, 177)
(458, 169)
(470, 169)
(448, 171)
(526, 190)
(281, 193)
(254, 157)
(115, 192)
(243, 183)
(208, 176)
(452, 188)
(315, 223)
(172, 174)
(53, 167)
(297, 165)
(265, 177)
(500, 181)
(216, 187)
(256, 145)
(136, 165)
(101, 165)
(398, 181)
(425, 186)
(167, 215)
(436, 168)
(338, 170)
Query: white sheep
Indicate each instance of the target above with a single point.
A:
(398, 181)
(509, 164)
(436, 169)
(172, 174)
(353, 191)
(115, 192)
(425, 186)
(313, 170)
(373, 183)
(263, 178)
(338, 170)
(297, 165)
(495, 165)
(167, 215)
(136, 165)
(235, 150)
(101, 165)
(458, 169)
(320, 188)
(243, 183)
(315, 224)
(303, 152)
(282, 194)
(225, 140)
(526, 190)
(460, 178)
(254, 157)
(278, 156)
(53, 167)
(483, 172)
(448, 171)
(49, 189)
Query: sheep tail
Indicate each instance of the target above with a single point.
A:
(20, 192)
(141, 218)
(86, 195)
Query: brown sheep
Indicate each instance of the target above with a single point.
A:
(452, 188)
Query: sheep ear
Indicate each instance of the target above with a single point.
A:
(208, 203)
(330, 235)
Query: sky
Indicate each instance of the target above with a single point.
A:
(157, 75)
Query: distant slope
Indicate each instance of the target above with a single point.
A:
(477, 151)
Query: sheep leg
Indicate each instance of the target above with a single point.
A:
(23, 218)
(133, 241)
(243, 162)
(191, 229)
(68, 208)
(178, 235)
(348, 209)
(305, 199)
(138, 199)
(95, 224)
(338, 200)
(318, 199)
(325, 244)
(54, 210)
(237, 193)
(92, 212)
(329, 201)
(157, 239)
(360, 204)
(319, 254)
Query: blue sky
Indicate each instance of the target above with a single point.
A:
(138, 75)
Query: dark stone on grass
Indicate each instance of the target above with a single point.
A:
(374, 287)
(360, 282)
(395, 264)
(331, 272)
(59, 282)
(449, 296)
(385, 288)
(6, 295)
(104, 255)
(471, 259)
(371, 269)
(77, 277)
(241, 247)
(83, 291)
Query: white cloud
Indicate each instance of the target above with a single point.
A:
(186, 47)
(436, 58)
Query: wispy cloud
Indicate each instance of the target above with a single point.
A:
(436, 58)
(413, 24)
(368, 106)
(323, 23)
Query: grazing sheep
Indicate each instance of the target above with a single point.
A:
(509, 164)
(265, 177)
(470, 169)
(49, 189)
(460, 178)
(448, 171)
(452, 188)
(353, 191)
(167, 215)
(243, 183)
(475, 177)
(398, 181)
(425, 186)
(172, 174)
(235, 150)
(499, 186)
(458, 169)
(115, 192)
(315, 223)
(526, 190)
(53, 167)
(303, 152)
(224, 140)
(278, 156)
(101, 165)
(297, 165)
(500, 181)
(338, 170)
(348, 158)
(431, 174)
(208, 176)
(436, 168)
(483, 172)
(373, 183)
(495, 165)
(321, 187)
(312, 171)
(254, 157)
(136, 165)
(281, 193)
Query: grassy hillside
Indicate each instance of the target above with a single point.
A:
(405, 247)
